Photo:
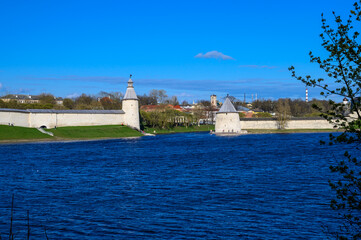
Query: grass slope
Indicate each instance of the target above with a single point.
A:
(201, 128)
(15, 133)
(109, 131)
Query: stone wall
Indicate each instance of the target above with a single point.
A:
(74, 119)
(38, 118)
(17, 118)
(295, 123)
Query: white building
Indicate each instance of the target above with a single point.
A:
(50, 118)
(227, 119)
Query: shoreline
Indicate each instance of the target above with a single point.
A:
(286, 131)
(250, 131)
(65, 140)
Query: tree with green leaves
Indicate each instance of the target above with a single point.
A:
(342, 65)
(283, 113)
(68, 103)
(47, 98)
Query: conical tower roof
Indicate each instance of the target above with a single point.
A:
(227, 107)
(130, 93)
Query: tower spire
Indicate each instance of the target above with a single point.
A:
(130, 81)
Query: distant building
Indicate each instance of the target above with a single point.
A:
(59, 100)
(345, 101)
(21, 98)
(27, 99)
(213, 100)
(151, 108)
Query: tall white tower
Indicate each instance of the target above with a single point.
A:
(306, 94)
(131, 106)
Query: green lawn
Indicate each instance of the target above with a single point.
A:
(109, 131)
(67, 133)
(201, 128)
(15, 133)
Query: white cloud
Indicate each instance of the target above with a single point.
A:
(214, 54)
(257, 66)
(183, 94)
(73, 95)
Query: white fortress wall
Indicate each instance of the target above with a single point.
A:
(18, 118)
(51, 118)
(37, 120)
(64, 120)
(309, 124)
(302, 123)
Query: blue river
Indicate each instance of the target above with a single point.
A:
(180, 186)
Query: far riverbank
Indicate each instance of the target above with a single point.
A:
(10, 134)
(205, 128)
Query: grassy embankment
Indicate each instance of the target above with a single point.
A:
(201, 128)
(15, 133)
(109, 131)
(67, 133)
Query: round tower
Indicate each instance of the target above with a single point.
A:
(130, 106)
(227, 119)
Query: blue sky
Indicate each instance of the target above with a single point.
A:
(191, 49)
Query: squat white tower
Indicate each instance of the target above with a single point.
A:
(131, 106)
(227, 119)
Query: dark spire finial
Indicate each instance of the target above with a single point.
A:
(130, 76)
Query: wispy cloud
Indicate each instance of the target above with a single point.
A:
(1, 85)
(214, 54)
(73, 95)
(184, 94)
(212, 85)
(23, 90)
(108, 79)
(257, 66)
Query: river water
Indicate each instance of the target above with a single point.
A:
(180, 186)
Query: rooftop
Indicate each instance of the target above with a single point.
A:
(227, 107)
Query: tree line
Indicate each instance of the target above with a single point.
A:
(102, 100)
(293, 107)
